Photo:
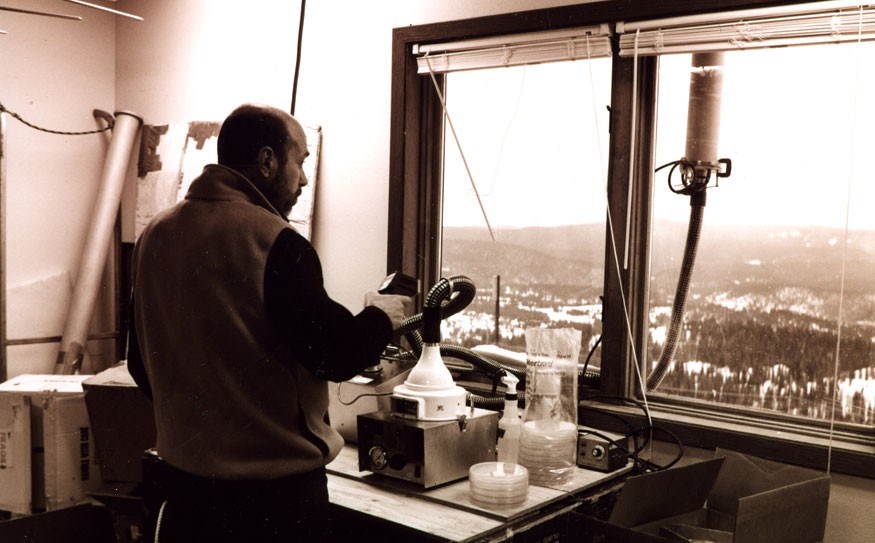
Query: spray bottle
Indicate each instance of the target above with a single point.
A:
(509, 426)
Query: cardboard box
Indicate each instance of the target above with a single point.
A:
(15, 457)
(732, 498)
(84, 522)
(123, 423)
(62, 464)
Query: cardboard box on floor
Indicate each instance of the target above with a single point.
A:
(85, 523)
(732, 498)
(122, 420)
(49, 459)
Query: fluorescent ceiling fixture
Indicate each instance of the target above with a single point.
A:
(102, 8)
(42, 13)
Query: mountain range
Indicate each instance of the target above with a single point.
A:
(734, 259)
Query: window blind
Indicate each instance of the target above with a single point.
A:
(515, 50)
(812, 23)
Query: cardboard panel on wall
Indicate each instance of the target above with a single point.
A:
(173, 155)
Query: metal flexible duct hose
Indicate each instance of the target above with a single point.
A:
(494, 403)
(490, 366)
(466, 290)
(697, 207)
(463, 286)
(443, 290)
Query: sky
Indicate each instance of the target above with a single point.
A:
(796, 122)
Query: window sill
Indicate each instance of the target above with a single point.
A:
(783, 441)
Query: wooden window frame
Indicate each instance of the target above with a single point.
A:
(414, 223)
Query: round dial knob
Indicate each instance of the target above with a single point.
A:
(397, 461)
(378, 457)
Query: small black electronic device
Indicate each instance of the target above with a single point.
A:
(601, 451)
(399, 283)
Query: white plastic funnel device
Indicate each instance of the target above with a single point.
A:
(429, 393)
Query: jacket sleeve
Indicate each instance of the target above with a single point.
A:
(323, 335)
(135, 358)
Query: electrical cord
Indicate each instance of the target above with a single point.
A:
(634, 454)
(298, 55)
(641, 405)
(588, 356)
(360, 396)
(406, 354)
(675, 438)
(97, 113)
(666, 165)
(629, 454)
(634, 433)
(623, 421)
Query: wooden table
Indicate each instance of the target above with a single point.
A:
(446, 512)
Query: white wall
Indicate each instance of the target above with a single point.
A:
(345, 86)
(200, 58)
(196, 60)
(53, 73)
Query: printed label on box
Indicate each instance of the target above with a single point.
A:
(5, 457)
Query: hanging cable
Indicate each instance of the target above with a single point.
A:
(459, 146)
(507, 131)
(851, 173)
(110, 120)
(298, 57)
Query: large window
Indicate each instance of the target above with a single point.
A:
(777, 340)
(535, 141)
(776, 270)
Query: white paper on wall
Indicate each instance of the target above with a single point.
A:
(173, 155)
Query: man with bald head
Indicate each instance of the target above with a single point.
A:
(234, 339)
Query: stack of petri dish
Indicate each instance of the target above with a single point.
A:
(498, 484)
(548, 449)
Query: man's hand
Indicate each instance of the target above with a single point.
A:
(397, 307)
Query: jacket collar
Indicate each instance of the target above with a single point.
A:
(220, 183)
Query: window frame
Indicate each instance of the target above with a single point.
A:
(415, 185)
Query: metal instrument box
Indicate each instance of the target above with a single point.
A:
(428, 453)
(364, 393)
(602, 451)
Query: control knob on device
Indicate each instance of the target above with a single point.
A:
(378, 457)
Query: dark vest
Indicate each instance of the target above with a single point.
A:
(230, 401)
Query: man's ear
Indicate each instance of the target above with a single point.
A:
(266, 161)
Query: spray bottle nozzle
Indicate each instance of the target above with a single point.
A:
(510, 380)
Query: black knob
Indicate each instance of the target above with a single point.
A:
(397, 461)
